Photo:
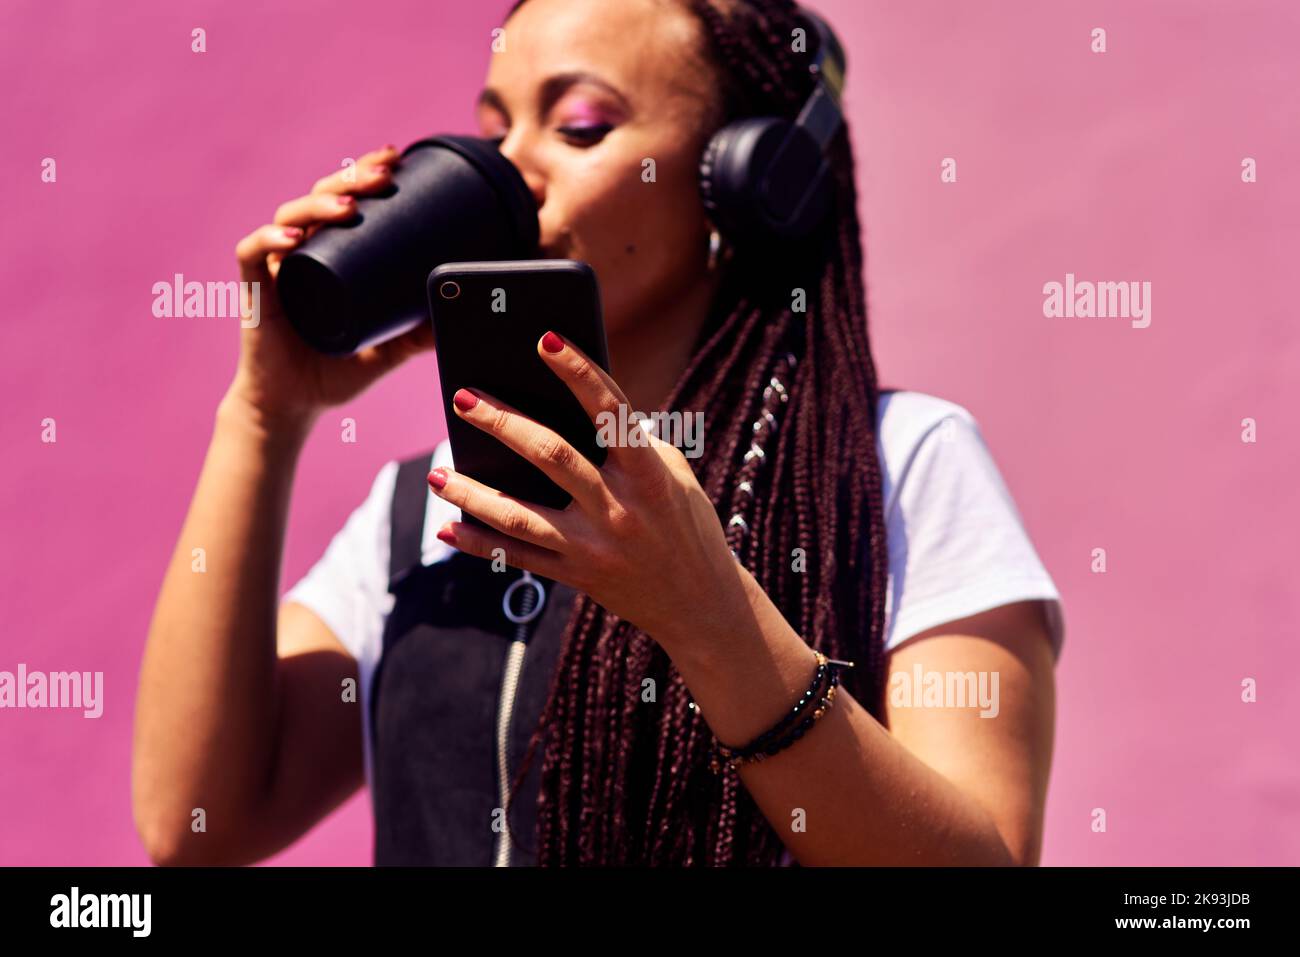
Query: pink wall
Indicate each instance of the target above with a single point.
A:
(1119, 166)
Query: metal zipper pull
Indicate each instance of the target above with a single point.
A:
(531, 602)
(531, 608)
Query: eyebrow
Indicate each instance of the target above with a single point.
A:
(554, 87)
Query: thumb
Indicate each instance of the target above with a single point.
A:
(392, 353)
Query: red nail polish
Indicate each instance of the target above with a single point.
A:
(345, 200)
(464, 399)
(446, 535)
(552, 343)
(438, 479)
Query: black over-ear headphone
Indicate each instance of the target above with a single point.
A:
(765, 180)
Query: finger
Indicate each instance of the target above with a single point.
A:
(387, 154)
(315, 208)
(393, 352)
(534, 524)
(548, 450)
(310, 212)
(484, 543)
(370, 173)
(593, 387)
(252, 250)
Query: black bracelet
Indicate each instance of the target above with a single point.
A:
(818, 679)
(718, 759)
(768, 743)
(807, 722)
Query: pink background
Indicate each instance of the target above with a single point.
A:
(1122, 166)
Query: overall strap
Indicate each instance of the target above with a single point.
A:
(406, 519)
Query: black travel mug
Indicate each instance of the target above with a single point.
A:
(452, 199)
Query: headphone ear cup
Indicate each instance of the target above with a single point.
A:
(727, 175)
(764, 180)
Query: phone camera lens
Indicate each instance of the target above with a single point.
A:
(449, 290)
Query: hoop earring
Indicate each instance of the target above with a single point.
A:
(715, 249)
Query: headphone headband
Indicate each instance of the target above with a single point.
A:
(827, 55)
(821, 115)
(766, 179)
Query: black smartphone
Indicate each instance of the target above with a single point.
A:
(487, 318)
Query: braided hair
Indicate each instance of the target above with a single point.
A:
(793, 471)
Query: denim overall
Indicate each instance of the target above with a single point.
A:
(458, 690)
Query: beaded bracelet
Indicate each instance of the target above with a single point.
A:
(720, 757)
(764, 746)
(768, 736)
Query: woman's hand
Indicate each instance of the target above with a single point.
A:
(640, 536)
(279, 376)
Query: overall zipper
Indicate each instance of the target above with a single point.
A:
(531, 603)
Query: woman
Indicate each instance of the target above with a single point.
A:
(686, 606)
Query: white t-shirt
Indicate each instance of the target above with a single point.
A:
(957, 545)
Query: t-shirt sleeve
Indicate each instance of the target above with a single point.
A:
(957, 543)
(347, 588)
